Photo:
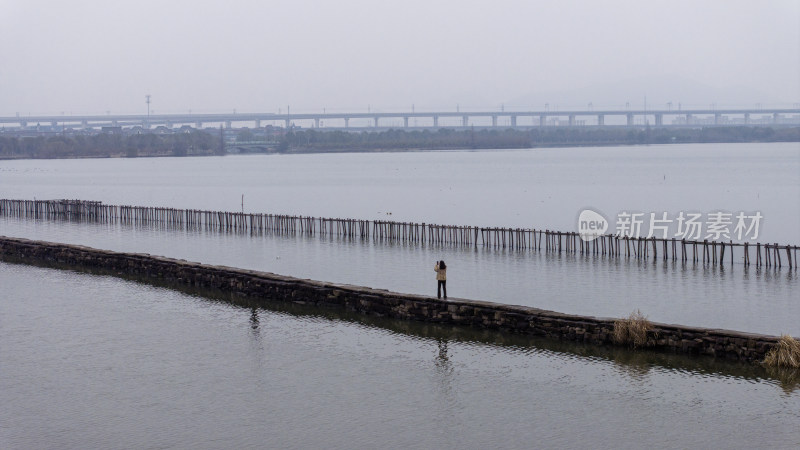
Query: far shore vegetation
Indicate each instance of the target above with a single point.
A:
(106, 145)
(296, 140)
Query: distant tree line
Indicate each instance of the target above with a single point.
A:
(337, 141)
(106, 145)
(300, 141)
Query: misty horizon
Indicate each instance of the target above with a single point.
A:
(95, 58)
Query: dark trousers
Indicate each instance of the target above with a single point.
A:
(442, 286)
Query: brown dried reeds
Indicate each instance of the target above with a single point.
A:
(632, 330)
(786, 353)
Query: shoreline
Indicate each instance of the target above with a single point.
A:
(313, 141)
(317, 151)
(265, 287)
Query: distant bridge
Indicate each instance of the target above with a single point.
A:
(431, 120)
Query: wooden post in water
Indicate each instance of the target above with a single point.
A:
(391, 231)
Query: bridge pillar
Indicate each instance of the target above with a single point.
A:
(513, 121)
(494, 121)
(258, 123)
(659, 120)
(542, 120)
(288, 123)
(316, 122)
(630, 119)
(376, 121)
(688, 119)
(601, 120)
(84, 123)
(228, 124)
(347, 122)
(746, 118)
(572, 120)
(435, 121)
(716, 119)
(405, 122)
(464, 121)
(775, 118)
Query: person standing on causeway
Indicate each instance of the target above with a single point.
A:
(441, 277)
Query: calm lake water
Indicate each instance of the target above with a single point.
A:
(98, 362)
(88, 360)
(540, 188)
(545, 188)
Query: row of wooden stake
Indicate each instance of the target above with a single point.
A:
(768, 255)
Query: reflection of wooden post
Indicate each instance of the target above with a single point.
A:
(731, 242)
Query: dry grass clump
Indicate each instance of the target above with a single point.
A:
(632, 330)
(786, 353)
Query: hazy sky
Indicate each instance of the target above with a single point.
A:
(97, 56)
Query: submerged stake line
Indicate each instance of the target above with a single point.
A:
(607, 245)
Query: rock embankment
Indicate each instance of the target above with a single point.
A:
(268, 287)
